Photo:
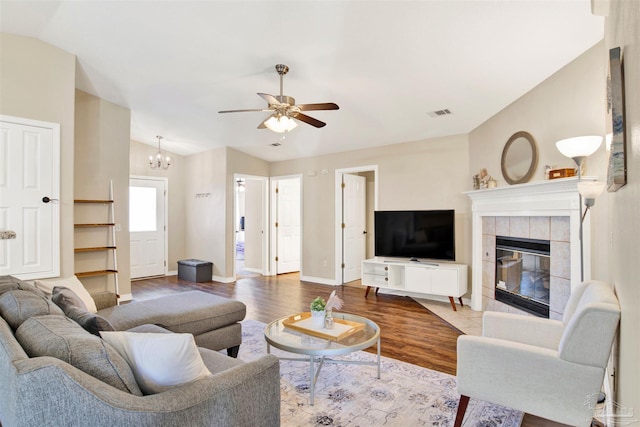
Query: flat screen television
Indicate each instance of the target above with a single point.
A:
(428, 234)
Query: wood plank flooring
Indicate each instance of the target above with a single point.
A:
(409, 332)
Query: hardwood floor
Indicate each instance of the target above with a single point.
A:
(409, 332)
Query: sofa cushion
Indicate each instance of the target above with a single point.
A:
(10, 283)
(192, 312)
(75, 309)
(62, 338)
(72, 283)
(159, 361)
(17, 306)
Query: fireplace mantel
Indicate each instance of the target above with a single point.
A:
(558, 197)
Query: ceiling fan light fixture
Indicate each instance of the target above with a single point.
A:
(280, 124)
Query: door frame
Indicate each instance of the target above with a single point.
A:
(272, 225)
(339, 276)
(166, 214)
(265, 221)
(56, 242)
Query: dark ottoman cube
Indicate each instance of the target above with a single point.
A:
(195, 270)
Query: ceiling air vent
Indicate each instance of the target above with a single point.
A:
(439, 113)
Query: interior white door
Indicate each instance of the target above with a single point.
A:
(355, 223)
(29, 172)
(288, 225)
(147, 227)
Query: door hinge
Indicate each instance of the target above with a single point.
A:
(276, 224)
(343, 185)
(165, 263)
(277, 190)
(276, 259)
(343, 265)
(344, 225)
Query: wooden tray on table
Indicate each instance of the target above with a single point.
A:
(302, 322)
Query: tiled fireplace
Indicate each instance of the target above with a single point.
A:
(547, 211)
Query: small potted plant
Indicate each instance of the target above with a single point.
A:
(317, 308)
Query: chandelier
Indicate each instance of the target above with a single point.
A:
(159, 161)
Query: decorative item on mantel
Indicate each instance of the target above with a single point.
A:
(483, 180)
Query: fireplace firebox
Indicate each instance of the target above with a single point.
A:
(522, 274)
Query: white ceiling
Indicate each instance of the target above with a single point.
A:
(175, 64)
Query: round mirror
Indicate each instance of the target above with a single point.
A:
(519, 158)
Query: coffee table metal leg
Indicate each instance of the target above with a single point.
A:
(378, 357)
(312, 380)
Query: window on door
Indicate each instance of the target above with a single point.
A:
(142, 209)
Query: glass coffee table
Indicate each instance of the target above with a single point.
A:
(319, 350)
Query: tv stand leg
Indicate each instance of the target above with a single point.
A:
(366, 294)
(453, 303)
(460, 299)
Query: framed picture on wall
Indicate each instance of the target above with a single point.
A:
(617, 171)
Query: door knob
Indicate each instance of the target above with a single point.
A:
(46, 199)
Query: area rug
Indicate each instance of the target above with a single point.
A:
(350, 395)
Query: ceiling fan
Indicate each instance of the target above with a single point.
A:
(283, 109)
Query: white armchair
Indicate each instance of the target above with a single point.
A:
(549, 368)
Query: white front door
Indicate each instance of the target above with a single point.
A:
(29, 187)
(354, 219)
(287, 218)
(147, 226)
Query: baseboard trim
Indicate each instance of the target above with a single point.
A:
(319, 280)
(223, 279)
(126, 297)
(172, 273)
(253, 270)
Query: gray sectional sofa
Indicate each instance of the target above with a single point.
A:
(53, 372)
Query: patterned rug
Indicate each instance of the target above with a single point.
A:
(350, 395)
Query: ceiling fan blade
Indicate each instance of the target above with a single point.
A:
(309, 120)
(242, 111)
(269, 98)
(322, 106)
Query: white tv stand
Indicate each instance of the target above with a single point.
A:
(425, 277)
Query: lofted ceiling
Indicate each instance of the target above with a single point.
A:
(387, 64)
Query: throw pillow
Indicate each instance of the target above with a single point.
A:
(75, 310)
(72, 283)
(17, 306)
(159, 361)
(62, 338)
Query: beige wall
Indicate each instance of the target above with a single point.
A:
(102, 135)
(139, 165)
(37, 81)
(430, 174)
(569, 103)
(205, 195)
(621, 30)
